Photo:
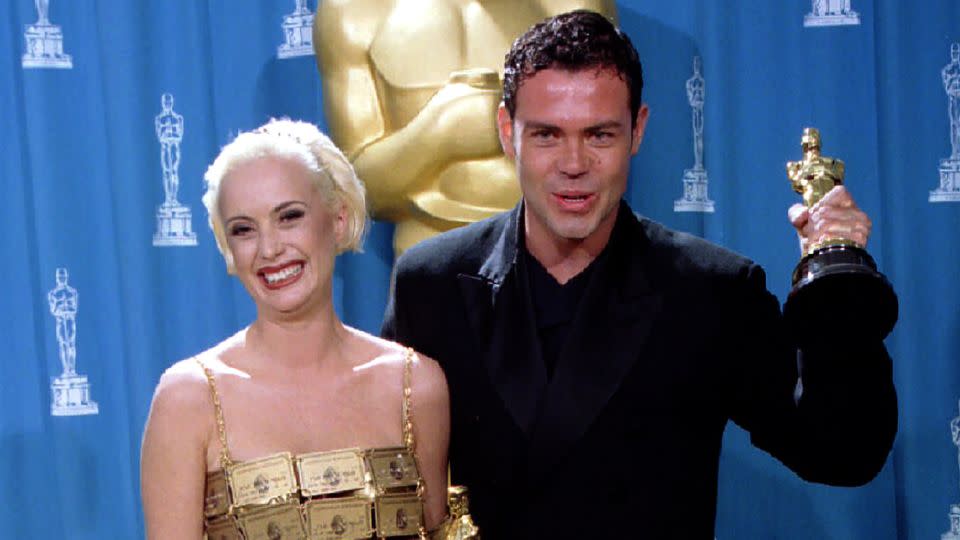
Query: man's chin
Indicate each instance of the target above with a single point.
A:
(574, 232)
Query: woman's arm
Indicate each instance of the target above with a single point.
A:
(431, 428)
(173, 457)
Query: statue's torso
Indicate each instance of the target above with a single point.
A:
(421, 42)
(397, 102)
(417, 47)
(951, 79)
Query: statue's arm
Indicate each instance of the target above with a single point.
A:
(554, 7)
(342, 33)
(389, 159)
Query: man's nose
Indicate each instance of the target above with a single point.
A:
(576, 158)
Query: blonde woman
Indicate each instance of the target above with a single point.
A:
(298, 426)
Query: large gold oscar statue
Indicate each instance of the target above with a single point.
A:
(411, 89)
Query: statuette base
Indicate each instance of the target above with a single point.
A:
(844, 276)
(71, 396)
(949, 190)
(843, 19)
(954, 532)
(174, 227)
(45, 48)
(695, 197)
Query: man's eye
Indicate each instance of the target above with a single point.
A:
(543, 134)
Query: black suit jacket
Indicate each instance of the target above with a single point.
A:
(673, 337)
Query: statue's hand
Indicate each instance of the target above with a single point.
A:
(835, 216)
(464, 121)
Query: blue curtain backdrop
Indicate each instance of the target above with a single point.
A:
(81, 180)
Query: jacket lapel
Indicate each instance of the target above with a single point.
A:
(501, 317)
(611, 328)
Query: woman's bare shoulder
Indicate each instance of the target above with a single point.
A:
(182, 389)
(427, 375)
(185, 387)
(390, 352)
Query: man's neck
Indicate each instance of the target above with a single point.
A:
(564, 258)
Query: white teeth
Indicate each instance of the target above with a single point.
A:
(283, 274)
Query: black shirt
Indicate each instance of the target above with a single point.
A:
(554, 306)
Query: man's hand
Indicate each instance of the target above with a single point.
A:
(835, 216)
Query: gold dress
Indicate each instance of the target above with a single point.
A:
(339, 495)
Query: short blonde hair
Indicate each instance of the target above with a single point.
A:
(331, 174)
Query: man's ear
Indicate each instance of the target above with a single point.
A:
(505, 129)
(639, 127)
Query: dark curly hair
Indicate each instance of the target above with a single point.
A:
(572, 41)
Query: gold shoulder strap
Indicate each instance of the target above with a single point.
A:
(225, 459)
(408, 438)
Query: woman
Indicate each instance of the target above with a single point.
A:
(319, 429)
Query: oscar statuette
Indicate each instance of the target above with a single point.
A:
(836, 284)
(458, 524)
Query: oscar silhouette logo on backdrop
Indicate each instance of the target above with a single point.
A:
(954, 514)
(70, 392)
(411, 90)
(45, 42)
(174, 225)
(949, 189)
(695, 198)
(831, 13)
(297, 32)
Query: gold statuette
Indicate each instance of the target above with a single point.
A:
(458, 525)
(814, 176)
(836, 284)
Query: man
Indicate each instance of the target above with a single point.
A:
(581, 406)
(411, 89)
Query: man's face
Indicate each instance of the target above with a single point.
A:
(571, 139)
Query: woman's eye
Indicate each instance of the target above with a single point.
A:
(291, 215)
(240, 230)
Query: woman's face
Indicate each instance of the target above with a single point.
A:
(282, 234)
